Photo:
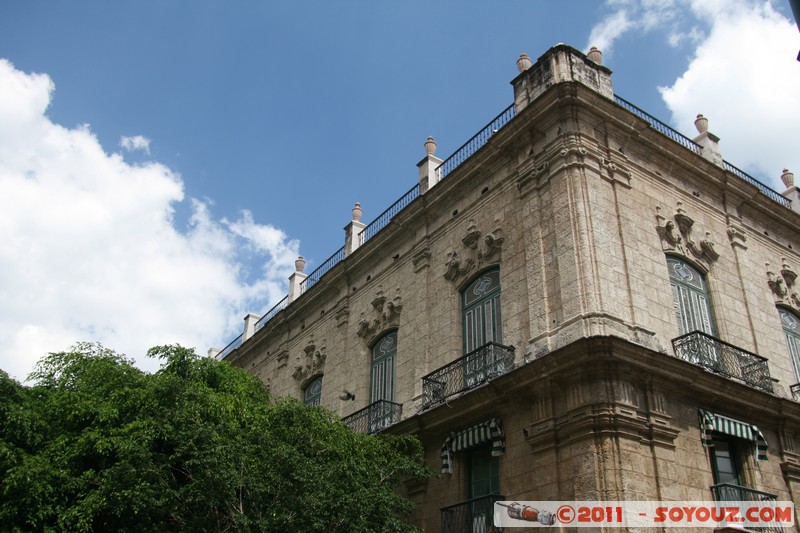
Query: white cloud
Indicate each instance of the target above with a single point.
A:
(744, 78)
(136, 142)
(88, 250)
(742, 73)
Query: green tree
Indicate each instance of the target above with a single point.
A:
(98, 445)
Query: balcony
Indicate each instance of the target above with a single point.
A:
(472, 516)
(725, 359)
(375, 417)
(477, 367)
(727, 492)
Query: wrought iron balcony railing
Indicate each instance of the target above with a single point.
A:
(478, 366)
(375, 417)
(471, 516)
(795, 390)
(728, 492)
(726, 359)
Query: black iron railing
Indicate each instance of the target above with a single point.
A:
(383, 219)
(235, 343)
(475, 143)
(696, 148)
(767, 191)
(795, 391)
(659, 126)
(328, 264)
(726, 359)
(478, 366)
(375, 417)
(728, 492)
(472, 516)
(280, 306)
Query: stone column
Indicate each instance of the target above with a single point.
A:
(351, 231)
(249, 326)
(427, 167)
(708, 141)
(791, 191)
(296, 279)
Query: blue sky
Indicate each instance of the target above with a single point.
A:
(163, 163)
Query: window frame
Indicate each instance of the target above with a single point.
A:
(690, 313)
(487, 303)
(313, 398)
(379, 365)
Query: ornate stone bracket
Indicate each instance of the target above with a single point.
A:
(476, 252)
(385, 313)
(737, 236)
(311, 363)
(615, 172)
(422, 259)
(342, 316)
(676, 236)
(783, 286)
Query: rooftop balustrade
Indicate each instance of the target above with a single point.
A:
(461, 155)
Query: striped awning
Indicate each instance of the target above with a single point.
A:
(713, 423)
(490, 431)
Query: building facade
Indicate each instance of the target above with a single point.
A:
(579, 304)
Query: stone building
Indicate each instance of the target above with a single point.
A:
(579, 304)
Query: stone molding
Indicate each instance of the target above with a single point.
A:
(476, 251)
(676, 237)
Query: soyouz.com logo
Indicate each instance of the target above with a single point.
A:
(738, 514)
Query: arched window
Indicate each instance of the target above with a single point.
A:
(791, 328)
(690, 298)
(481, 311)
(313, 392)
(384, 352)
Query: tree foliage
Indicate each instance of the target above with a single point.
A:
(97, 445)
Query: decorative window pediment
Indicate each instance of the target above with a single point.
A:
(477, 250)
(782, 285)
(312, 362)
(385, 313)
(676, 237)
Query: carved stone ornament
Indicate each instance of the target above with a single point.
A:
(676, 236)
(783, 285)
(421, 259)
(385, 313)
(312, 362)
(342, 315)
(475, 252)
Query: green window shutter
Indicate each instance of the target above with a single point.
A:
(690, 298)
(384, 354)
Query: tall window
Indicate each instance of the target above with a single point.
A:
(791, 327)
(313, 392)
(724, 461)
(384, 353)
(690, 297)
(481, 309)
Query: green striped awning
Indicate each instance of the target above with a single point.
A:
(713, 423)
(490, 431)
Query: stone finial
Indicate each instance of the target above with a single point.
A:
(299, 264)
(357, 212)
(787, 178)
(701, 123)
(430, 146)
(595, 55)
(524, 63)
